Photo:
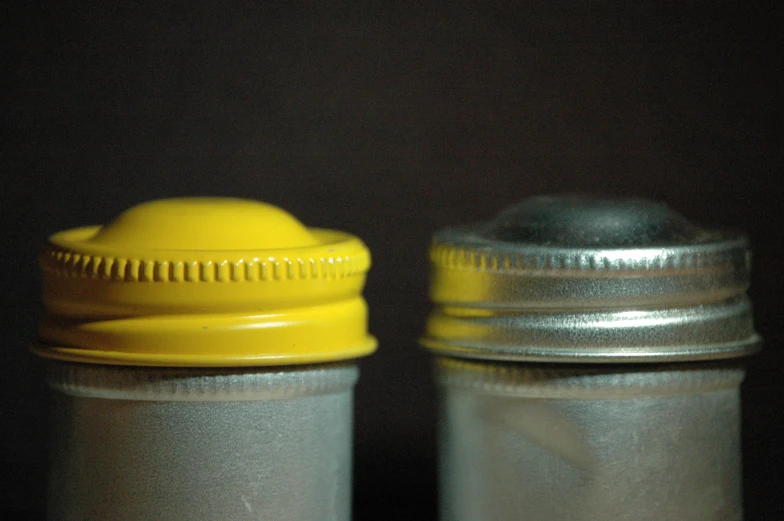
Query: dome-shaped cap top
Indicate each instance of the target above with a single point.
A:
(203, 224)
(592, 222)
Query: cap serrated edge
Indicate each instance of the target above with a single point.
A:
(70, 263)
(475, 259)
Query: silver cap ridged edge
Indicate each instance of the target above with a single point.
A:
(512, 288)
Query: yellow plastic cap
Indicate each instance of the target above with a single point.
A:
(204, 282)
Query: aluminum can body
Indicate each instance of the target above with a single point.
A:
(589, 359)
(203, 354)
(629, 444)
(134, 444)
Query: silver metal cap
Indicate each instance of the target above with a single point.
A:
(588, 279)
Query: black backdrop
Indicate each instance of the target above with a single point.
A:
(390, 121)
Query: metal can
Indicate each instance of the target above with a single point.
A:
(203, 356)
(588, 360)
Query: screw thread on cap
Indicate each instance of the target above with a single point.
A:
(579, 278)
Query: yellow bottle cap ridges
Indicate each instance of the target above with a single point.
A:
(204, 282)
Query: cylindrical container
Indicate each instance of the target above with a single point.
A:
(588, 363)
(202, 353)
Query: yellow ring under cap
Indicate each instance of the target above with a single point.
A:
(204, 282)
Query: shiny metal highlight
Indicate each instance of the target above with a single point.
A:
(579, 278)
(589, 363)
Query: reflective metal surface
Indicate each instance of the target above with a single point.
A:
(578, 340)
(573, 278)
(140, 444)
(519, 442)
(707, 331)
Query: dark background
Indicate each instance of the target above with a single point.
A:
(390, 121)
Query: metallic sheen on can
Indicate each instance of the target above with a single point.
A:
(627, 444)
(589, 361)
(136, 444)
(202, 352)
